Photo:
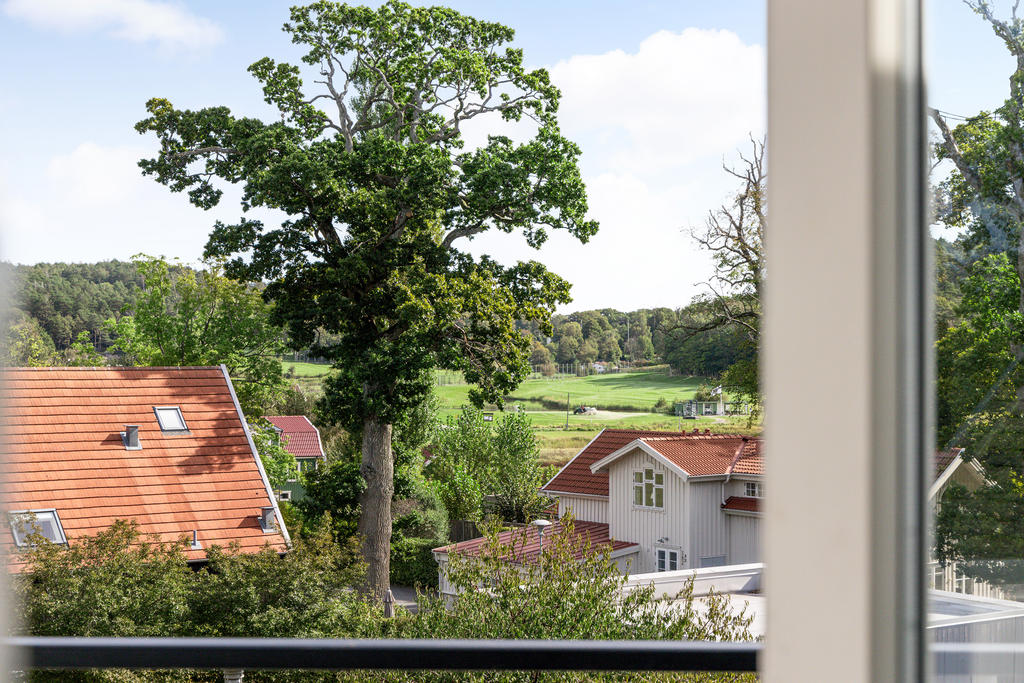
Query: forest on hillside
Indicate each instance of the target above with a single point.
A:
(50, 305)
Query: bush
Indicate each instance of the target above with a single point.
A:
(412, 562)
(662, 406)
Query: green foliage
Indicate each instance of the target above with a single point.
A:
(334, 490)
(186, 318)
(461, 493)
(279, 464)
(563, 596)
(979, 408)
(413, 563)
(118, 584)
(70, 298)
(82, 353)
(111, 584)
(26, 344)
(473, 458)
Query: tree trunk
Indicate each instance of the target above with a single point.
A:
(377, 469)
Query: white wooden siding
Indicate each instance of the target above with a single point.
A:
(744, 539)
(709, 533)
(584, 509)
(645, 526)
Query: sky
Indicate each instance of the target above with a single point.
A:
(658, 95)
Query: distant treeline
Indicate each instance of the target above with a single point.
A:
(66, 299)
(58, 301)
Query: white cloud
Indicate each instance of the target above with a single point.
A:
(169, 24)
(679, 97)
(94, 204)
(654, 127)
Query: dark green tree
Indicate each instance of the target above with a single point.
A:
(380, 191)
(981, 386)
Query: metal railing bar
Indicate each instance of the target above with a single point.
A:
(39, 652)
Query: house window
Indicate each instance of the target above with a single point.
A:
(307, 465)
(284, 495)
(170, 418)
(668, 560)
(713, 561)
(753, 489)
(649, 489)
(46, 523)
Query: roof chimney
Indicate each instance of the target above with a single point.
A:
(696, 431)
(130, 436)
(707, 432)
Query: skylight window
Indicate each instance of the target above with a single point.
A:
(45, 523)
(170, 419)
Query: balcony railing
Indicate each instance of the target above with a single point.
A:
(36, 652)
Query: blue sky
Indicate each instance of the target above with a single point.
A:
(657, 94)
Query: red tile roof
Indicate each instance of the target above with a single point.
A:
(523, 543)
(65, 451)
(704, 453)
(576, 476)
(711, 454)
(302, 438)
(742, 504)
(944, 459)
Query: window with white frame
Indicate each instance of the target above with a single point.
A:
(753, 489)
(649, 488)
(27, 523)
(668, 559)
(170, 418)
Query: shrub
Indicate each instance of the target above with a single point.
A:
(412, 562)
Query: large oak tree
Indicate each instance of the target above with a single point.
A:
(382, 192)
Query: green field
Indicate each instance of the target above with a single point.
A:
(624, 401)
(625, 391)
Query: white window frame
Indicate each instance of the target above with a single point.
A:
(21, 541)
(846, 316)
(753, 489)
(846, 305)
(159, 420)
(640, 483)
(663, 559)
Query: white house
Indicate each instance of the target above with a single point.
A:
(952, 466)
(668, 501)
(686, 499)
(658, 501)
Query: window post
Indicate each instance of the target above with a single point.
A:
(846, 299)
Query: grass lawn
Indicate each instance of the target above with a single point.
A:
(304, 370)
(625, 391)
(624, 401)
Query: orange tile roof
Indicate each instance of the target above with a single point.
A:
(65, 451)
(712, 454)
(742, 504)
(705, 453)
(302, 438)
(523, 543)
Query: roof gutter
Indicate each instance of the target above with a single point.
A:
(256, 455)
